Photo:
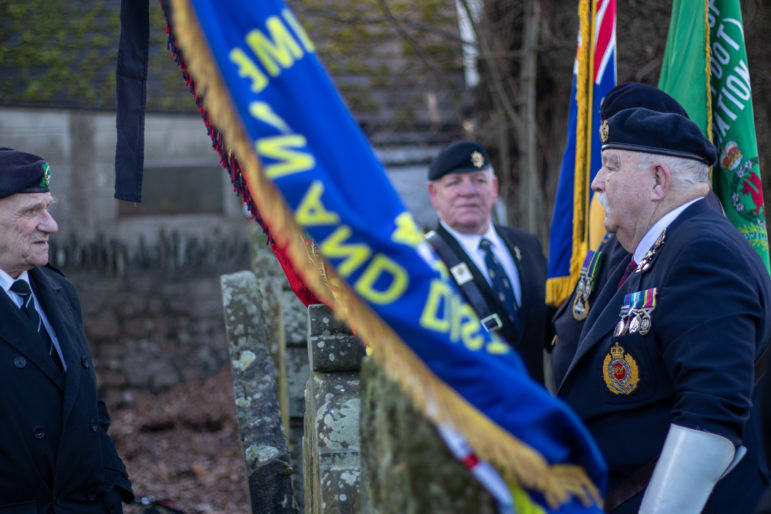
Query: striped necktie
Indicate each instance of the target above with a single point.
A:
(21, 288)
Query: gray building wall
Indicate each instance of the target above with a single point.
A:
(80, 146)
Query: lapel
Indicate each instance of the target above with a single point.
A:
(519, 257)
(20, 335)
(62, 319)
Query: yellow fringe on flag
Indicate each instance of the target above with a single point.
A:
(708, 73)
(440, 403)
(584, 83)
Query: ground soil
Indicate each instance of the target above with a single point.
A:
(183, 445)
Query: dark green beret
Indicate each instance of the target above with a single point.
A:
(644, 130)
(22, 172)
(458, 157)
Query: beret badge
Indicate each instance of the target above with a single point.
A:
(477, 160)
(604, 131)
(46, 180)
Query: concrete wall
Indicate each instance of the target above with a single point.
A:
(80, 146)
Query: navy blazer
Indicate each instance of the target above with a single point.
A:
(534, 321)
(55, 454)
(695, 367)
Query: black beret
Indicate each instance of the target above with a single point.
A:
(644, 130)
(458, 157)
(22, 172)
(636, 94)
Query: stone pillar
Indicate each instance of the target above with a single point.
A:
(405, 465)
(287, 327)
(264, 441)
(331, 439)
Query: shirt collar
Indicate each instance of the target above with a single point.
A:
(650, 237)
(6, 280)
(472, 240)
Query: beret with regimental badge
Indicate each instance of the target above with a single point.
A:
(637, 94)
(22, 172)
(458, 157)
(644, 130)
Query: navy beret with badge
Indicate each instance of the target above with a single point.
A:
(644, 130)
(22, 172)
(637, 94)
(458, 157)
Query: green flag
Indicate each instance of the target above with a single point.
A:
(718, 97)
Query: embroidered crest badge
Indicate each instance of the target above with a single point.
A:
(619, 370)
(477, 159)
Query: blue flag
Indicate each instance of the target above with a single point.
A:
(594, 74)
(314, 177)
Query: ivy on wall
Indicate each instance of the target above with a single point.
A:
(60, 53)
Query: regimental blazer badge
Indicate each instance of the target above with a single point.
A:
(619, 370)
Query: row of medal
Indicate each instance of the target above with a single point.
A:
(635, 315)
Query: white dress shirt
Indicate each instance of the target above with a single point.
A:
(470, 244)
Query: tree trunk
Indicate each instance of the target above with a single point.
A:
(529, 191)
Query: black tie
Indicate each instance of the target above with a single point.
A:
(21, 288)
(500, 282)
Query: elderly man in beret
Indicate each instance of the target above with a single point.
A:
(663, 373)
(500, 271)
(570, 316)
(55, 454)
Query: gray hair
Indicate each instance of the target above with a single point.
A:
(683, 171)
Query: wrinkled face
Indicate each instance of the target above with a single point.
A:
(464, 200)
(624, 190)
(25, 225)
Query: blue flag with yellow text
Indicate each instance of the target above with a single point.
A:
(314, 176)
(594, 74)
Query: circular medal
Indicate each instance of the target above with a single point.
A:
(645, 325)
(634, 325)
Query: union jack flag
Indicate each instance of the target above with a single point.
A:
(594, 74)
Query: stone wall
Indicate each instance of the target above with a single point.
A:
(365, 448)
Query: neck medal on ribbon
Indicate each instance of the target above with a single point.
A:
(586, 282)
(645, 263)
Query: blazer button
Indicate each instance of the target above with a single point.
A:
(19, 361)
(38, 433)
(94, 425)
(84, 361)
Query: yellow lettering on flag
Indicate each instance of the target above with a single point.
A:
(299, 30)
(247, 68)
(280, 50)
(407, 231)
(355, 254)
(380, 267)
(284, 149)
(431, 318)
(265, 113)
(311, 211)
